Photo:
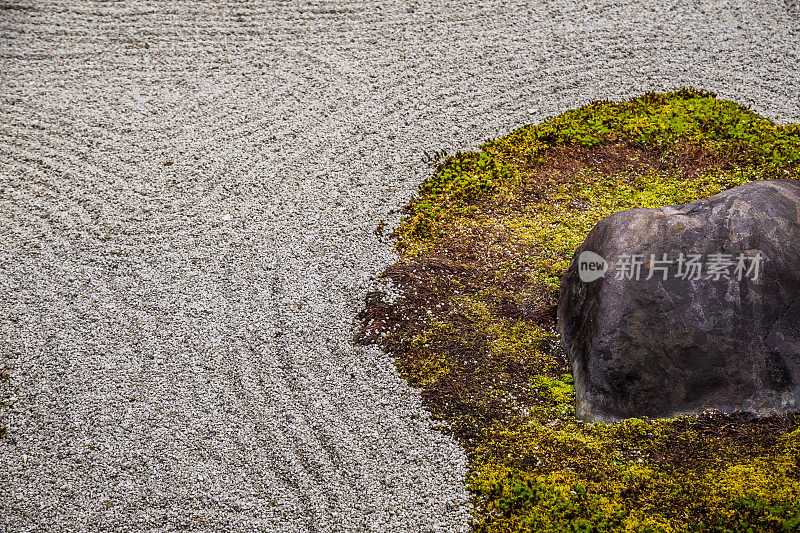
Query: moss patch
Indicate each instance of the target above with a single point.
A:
(483, 247)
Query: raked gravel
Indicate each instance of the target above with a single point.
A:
(189, 194)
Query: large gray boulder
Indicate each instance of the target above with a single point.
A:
(726, 337)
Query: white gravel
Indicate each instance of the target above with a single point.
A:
(188, 198)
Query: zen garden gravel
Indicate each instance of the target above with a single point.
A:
(189, 197)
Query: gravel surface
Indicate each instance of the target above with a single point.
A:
(189, 194)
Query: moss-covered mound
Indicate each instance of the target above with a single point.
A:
(483, 247)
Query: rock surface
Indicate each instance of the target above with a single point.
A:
(727, 337)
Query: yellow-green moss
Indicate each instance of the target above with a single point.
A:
(483, 247)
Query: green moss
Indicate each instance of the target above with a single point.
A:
(557, 395)
(460, 182)
(483, 247)
(661, 122)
